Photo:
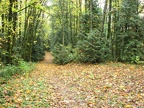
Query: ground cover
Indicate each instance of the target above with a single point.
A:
(76, 86)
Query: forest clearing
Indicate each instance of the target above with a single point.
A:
(76, 86)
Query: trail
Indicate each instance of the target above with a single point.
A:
(58, 77)
(92, 86)
(109, 85)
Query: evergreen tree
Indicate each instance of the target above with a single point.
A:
(93, 47)
(130, 36)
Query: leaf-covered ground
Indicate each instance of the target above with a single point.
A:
(111, 85)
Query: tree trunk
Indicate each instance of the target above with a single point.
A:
(104, 17)
(109, 19)
(9, 38)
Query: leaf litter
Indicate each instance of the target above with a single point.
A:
(76, 86)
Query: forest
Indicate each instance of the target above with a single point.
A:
(74, 30)
(90, 48)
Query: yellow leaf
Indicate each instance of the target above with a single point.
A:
(28, 91)
(121, 87)
(18, 101)
(1, 106)
(128, 106)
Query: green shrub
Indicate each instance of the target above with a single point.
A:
(1, 65)
(63, 54)
(131, 48)
(8, 71)
(38, 51)
(93, 48)
(132, 53)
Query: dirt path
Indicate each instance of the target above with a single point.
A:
(63, 94)
(48, 58)
(93, 86)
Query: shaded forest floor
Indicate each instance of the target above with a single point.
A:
(76, 86)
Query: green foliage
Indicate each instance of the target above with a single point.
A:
(117, 32)
(132, 51)
(3, 52)
(64, 54)
(1, 65)
(93, 48)
(18, 33)
(38, 50)
(16, 56)
(9, 71)
(38, 53)
(129, 38)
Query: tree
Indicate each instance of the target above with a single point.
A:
(129, 32)
(21, 21)
(93, 47)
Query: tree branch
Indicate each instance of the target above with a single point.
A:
(25, 8)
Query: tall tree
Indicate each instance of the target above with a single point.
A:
(20, 26)
(129, 36)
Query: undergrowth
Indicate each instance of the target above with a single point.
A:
(9, 71)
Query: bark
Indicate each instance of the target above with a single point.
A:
(109, 19)
(9, 36)
(104, 16)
